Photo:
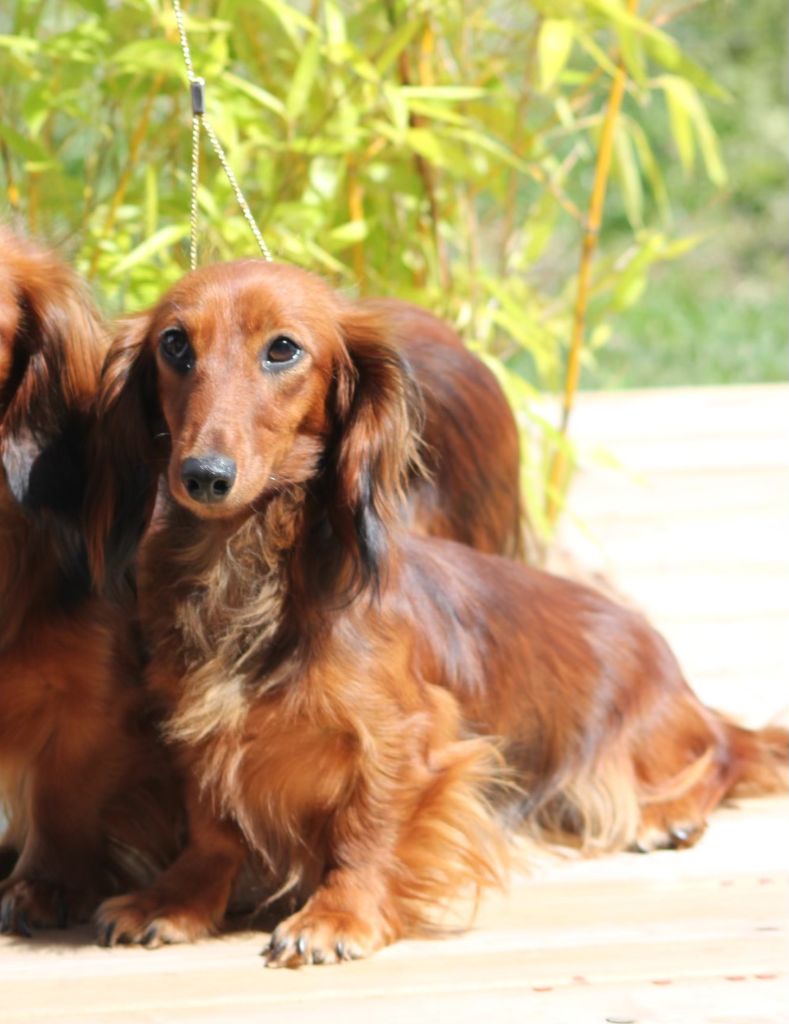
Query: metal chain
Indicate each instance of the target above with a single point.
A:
(197, 90)
(195, 178)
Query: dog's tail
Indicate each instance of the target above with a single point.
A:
(758, 760)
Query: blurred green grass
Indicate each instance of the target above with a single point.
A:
(688, 328)
(720, 315)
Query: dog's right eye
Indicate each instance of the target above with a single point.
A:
(174, 346)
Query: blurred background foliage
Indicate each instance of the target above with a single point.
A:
(439, 151)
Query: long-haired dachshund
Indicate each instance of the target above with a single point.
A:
(79, 769)
(341, 693)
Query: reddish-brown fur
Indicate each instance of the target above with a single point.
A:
(470, 490)
(72, 733)
(342, 695)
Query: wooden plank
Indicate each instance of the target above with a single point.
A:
(623, 935)
(694, 531)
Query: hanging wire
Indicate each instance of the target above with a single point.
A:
(199, 119)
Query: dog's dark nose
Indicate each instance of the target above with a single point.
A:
(208, 478)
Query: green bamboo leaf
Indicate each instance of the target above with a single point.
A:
(396, 106)
(663, 49)
(25, 147)
(686, 109)
(554, 46)
(488, 145)
(19, 44)
(151, 199)
(150, 55)
(303, 80)
(705, 133)
(438, 112)
(680, 246)
(680, 119)
(629, 176)
(439, 150)
(254, 92)
(631, 49)
(539, 227)
(398, 41)
(336, 28)
(346, 234)
(597, 53)
(599, 336)
(660, 46)
(162, 239)
(292, 20)
(649, 165)
(447, 93)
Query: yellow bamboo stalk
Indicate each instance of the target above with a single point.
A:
(558, 469)
(140, 131)
(356, 213)
(427, 46)
(425, 170)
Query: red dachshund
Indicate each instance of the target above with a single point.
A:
(72, 730)
(339, 692)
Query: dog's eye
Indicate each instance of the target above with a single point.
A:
(281, 352)
(175, 348)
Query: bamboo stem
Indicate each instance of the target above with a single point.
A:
(356, 213)
(138, 135)
(424, 168)
(12, 191)
(557, 475)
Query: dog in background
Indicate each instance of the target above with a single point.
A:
(91, 804)
(339, 691)
(467, 487)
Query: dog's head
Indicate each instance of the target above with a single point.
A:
(252, 378)
(52, 343)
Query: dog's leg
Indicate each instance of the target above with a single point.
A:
(399, 851)
(189, 899)
(57, 877)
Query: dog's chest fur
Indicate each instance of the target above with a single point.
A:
(214, 604)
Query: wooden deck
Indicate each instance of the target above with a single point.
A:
(693, 527)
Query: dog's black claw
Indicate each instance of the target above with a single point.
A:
(150, 935)
(318, 956)
(339, 949)
(301, 945)
(107, 934)
(23, 926)
(5, 918)
(277, 945)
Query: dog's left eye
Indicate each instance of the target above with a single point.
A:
(280, 352)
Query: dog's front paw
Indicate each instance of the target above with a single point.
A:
(316, 936)
(148, 919)
(26, 904)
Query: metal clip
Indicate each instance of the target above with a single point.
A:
(197, 89)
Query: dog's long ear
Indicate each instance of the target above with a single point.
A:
(375, 444)
(125, 452)
(54, 342)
